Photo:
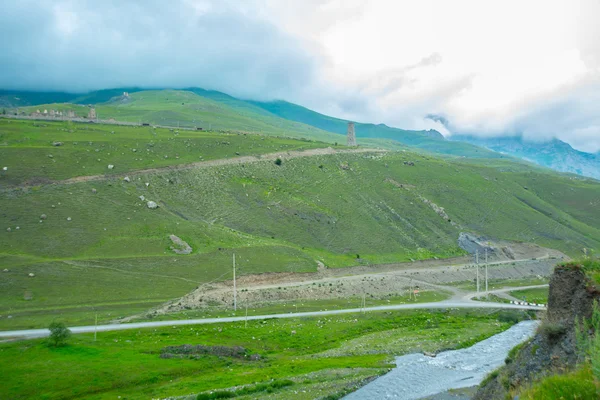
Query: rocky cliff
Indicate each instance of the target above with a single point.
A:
(553, 349)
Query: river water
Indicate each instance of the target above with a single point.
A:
(417, 376)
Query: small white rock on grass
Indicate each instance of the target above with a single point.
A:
(68, 218)
(152, 205)
(5, 169)
(110, 166)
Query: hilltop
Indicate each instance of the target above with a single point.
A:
(198, 108)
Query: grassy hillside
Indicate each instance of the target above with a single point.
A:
(218, 111)
(430, 141)
(101, 248)
(187, 109)
(87, 149)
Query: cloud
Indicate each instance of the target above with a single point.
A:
(87, 45)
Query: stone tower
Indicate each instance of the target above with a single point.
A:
(92, 113)
(351, 135)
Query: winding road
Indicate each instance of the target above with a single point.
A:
(452, 303)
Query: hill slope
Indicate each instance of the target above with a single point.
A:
(99, 245)
(218, 111)
(431, 141)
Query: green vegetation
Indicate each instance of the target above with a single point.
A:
(578, 384)
(538, 296)
(430, 141)
(261, 387)
(59, 334)
(87, 149)
(320, 355)
(100, 249)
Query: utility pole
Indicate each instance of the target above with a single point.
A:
(477, 266)
(234, 288)
(363, 303)
(486, 271)
(246, 320)
(96, 327)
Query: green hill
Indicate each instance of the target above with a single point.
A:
(214, 110)
(99, 247)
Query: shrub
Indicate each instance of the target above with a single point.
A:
(59, 334)
(513, 352)
(552, 331)
(278, 161)
(490, 377)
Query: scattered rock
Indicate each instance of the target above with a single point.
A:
(18, 227)
(181, 246)
(50, 156)
(142, 198)
(31, 274)
(5, 169)
(5, 270)
(56, 144)
(8, 229)
(68, 218)
(43, 216)
(110, 166)
(94, 191)
(126, 179)
(152, 205)
(147, 184)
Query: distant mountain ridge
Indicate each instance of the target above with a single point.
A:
(554, 154)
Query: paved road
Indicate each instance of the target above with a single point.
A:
(37, 333)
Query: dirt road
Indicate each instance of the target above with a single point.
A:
(225, 161)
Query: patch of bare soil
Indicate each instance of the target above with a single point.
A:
(374, 281)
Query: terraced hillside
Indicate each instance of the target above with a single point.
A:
(93, 245)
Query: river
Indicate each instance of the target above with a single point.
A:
(417, 376)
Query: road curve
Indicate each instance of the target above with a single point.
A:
(38, 333)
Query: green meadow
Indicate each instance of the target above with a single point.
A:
(315, 357)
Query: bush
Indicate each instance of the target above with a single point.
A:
(551, 330)
(278, 161)
(59, 334)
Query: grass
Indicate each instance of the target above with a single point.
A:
(289, 349)
(578, 384)
(275, 218)
(538, 296)
(88, 149)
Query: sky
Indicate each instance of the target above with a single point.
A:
(487, 68)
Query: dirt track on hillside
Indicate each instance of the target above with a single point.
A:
(224, 161)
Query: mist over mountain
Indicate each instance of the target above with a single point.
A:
(554, 153)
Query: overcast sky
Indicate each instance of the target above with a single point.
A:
(486, 67)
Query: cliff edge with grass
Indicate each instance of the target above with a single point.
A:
(562, 361)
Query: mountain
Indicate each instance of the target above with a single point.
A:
(554, 154)
(214, 110)
(428, 140)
